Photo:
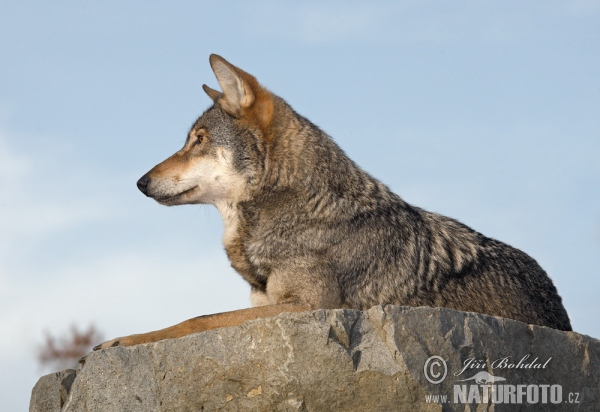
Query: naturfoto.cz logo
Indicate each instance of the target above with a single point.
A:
(485, 387)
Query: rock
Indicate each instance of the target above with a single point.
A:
(51, 391)
(383, 359)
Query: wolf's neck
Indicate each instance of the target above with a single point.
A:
(230, 217)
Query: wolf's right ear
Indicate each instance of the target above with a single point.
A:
(237, 94)
(212, 93)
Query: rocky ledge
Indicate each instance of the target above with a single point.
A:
(388, 358)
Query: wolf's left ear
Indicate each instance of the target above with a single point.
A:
(237, 94)
(243, 97)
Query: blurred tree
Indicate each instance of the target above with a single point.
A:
(64, 352)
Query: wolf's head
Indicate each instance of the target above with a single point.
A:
(224, 155)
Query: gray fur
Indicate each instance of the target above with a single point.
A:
(311, 227)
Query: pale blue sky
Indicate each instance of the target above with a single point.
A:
(486, 111)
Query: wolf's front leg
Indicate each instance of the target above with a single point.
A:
(204, 323)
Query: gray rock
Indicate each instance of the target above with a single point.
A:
(51, 391)
(341, 360)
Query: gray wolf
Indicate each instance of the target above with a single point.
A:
(308, 229)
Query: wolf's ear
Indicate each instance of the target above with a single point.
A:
(243, 97)
(212, 93)
(237, 94)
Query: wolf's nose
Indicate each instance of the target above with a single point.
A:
(142, 184)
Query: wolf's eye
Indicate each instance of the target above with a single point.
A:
(199, 139)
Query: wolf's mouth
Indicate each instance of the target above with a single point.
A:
(171, 198)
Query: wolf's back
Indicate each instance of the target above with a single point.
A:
(380, 249)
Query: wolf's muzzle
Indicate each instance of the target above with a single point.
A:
(142, 184)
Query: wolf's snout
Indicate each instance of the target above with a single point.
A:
(142, 184)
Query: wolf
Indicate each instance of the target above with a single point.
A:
(309, 229)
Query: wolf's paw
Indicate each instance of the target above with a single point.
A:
(112, 343)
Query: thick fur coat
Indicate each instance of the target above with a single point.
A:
(304, 224)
